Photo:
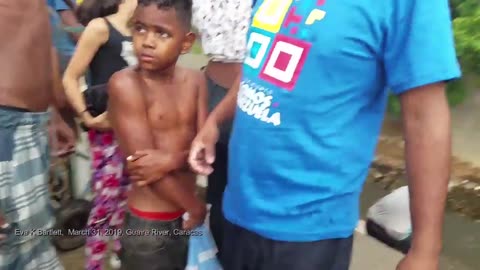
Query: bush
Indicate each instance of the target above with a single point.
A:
(466, 27)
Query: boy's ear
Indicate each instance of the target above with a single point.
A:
(188, 42)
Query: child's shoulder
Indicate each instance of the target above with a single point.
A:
(189, 71)
(194, 75)
(123, 79)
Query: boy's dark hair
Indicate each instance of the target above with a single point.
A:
(91, 9)
(182, 7)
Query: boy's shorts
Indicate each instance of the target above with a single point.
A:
(153, 244)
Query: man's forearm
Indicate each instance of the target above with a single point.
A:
(70, 20)
(428, 156)
(225, 110)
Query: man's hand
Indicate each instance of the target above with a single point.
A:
(62, 137)
(418, 262)
(202, 152)
(148, 166)
(3, 226)
(195, 217)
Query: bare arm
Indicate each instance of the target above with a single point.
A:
(59, 99)
(70, 20)
(202, 106)
(426, 120)
(127, 112)
(225, 110)
(95, 34)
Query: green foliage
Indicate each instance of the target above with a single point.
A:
(466, 26)
(467, 39)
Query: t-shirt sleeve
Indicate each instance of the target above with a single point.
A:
(60, 5)
(419, 45)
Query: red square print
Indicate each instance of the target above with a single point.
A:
(285, 61)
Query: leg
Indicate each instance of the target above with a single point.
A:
(241, 248)
(246, 250)
(332, 254)
(121, 199)
(105, 184)
(24, 172)
(216, 186)
(155, 251)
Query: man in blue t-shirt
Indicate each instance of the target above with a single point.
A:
(308, 112)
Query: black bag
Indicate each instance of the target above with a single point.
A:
(96, 98)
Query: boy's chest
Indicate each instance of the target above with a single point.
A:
(173, 105)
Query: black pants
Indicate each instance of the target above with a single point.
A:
(216, 185)
(153, 245)
(245, 250)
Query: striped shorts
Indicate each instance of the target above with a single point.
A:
(24, 195)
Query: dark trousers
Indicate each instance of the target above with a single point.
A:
(216, 185)
(245, 250)
(153, 245)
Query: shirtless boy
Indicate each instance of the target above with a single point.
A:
(159, 106)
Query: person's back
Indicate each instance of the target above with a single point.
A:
(25, 69)
(164, 105)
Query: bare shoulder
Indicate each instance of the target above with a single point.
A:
(196, 76)
(97, 27)
(124, 84)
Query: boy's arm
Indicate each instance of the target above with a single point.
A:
(128, 116)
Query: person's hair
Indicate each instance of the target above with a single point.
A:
(183, 8)
(91, 9)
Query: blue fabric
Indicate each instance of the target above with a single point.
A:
(202, 251)
(61, 39)
(311, 103)
(60, 5)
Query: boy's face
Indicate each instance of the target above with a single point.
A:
(159, 37)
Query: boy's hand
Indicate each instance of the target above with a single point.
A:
(202, 152)
(195, 218)
(148, 166)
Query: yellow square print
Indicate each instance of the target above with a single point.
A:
(270, 15)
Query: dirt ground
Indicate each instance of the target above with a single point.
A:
(389, 170)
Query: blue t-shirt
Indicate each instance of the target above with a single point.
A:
(61, 39)
(311, 103)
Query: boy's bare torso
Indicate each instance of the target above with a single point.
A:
(172, 115)
(25, 54)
